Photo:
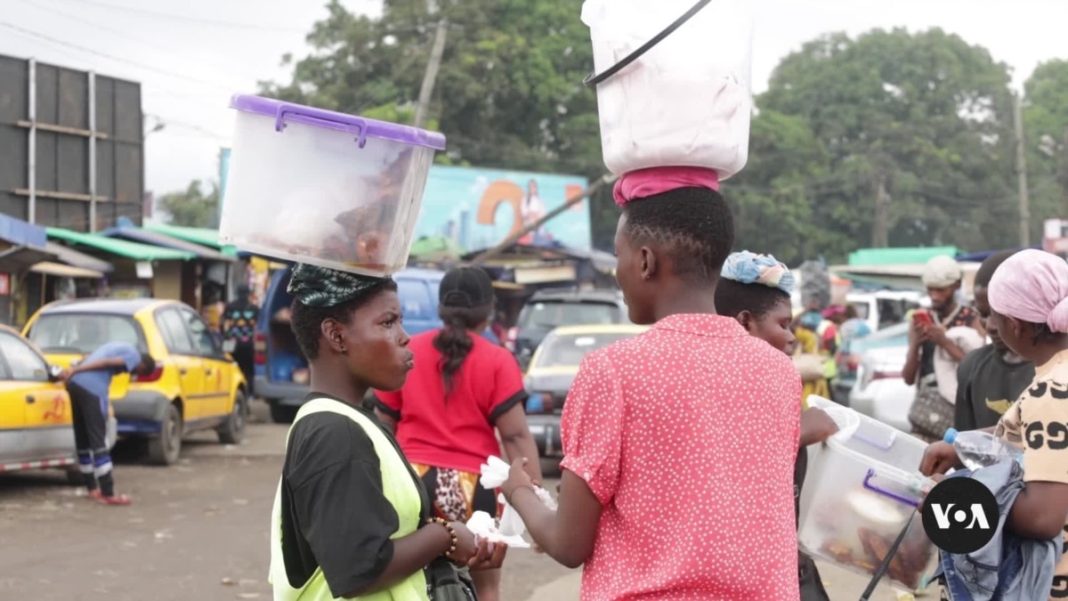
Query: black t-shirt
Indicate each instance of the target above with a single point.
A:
(334, 513)
(986, 386)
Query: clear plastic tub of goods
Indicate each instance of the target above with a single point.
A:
(685, 102)
(326, 188)
(862, 489)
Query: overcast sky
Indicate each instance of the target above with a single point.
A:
(190, 56)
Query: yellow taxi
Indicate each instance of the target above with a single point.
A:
(35, 414)
(552, 370)
(195, 386)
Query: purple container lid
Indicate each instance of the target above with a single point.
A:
(288, 112)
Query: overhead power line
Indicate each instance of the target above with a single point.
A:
(181, 55)
(118, 59)
(190, 19)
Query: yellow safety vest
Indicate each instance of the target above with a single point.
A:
(401, 492)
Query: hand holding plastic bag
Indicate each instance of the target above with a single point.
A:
(484, 526)
(494, 474)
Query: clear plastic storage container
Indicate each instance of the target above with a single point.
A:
(685, 102)
(325, 188)
(861, 489)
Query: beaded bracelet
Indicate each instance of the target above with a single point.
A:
(452, 534)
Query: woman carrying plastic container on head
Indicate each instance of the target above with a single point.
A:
(462, 390)
(665, 492)
(1028, 298)
(351, 519)
(755, 290)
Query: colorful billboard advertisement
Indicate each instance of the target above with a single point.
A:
(478, 208)
(475, 209)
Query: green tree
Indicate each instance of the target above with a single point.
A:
(774, 207)
(509, 93)
(192, 207)
(920, 121)
(1046, 137)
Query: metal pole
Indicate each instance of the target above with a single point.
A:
(1021, 174)
(31, 175)
(92, 151)
(430, 76)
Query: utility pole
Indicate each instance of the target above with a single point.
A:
(880, 226)
(1063, 171)
(430, 76)
(1021, 174)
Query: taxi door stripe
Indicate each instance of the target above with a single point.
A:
(35, 465)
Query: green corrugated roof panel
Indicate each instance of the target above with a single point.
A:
(196, 235)
(121, 248)
(899, 256)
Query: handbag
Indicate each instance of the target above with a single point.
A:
(931, 414)
(447, 582)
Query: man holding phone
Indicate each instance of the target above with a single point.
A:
(932, 334)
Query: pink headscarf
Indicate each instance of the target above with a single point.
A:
(1032, 286)
(656, 180)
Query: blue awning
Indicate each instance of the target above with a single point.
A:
(20, 233)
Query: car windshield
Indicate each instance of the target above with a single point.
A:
(553, 314)
(82, 334)
(568, 350)
(896, 335)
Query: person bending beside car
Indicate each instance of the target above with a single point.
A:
(88, 384)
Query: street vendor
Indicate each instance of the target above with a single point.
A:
(1028, 297)
(351, 518)
(755, 290)
(656, 501)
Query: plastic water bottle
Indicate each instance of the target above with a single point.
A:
(978, 449)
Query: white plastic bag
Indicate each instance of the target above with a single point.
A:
(484, 526)
(494, 474)
(685, 102)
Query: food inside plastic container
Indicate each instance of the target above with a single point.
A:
(325, 188)
(861, 491)
(858, 532)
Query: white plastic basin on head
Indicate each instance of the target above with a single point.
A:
(685, 102)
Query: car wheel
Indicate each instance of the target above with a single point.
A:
(165, 449)
(232, 431)
(282, 414)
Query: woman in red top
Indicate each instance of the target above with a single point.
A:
(461, 389)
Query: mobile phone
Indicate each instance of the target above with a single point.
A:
(922, 318)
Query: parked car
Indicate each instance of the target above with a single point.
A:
(885, 308)
(281, 369)
(550, 309)
(195, 386)
(553, 369)
(35, 412)
(880, 390)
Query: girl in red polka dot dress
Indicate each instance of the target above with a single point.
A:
(679, 450)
